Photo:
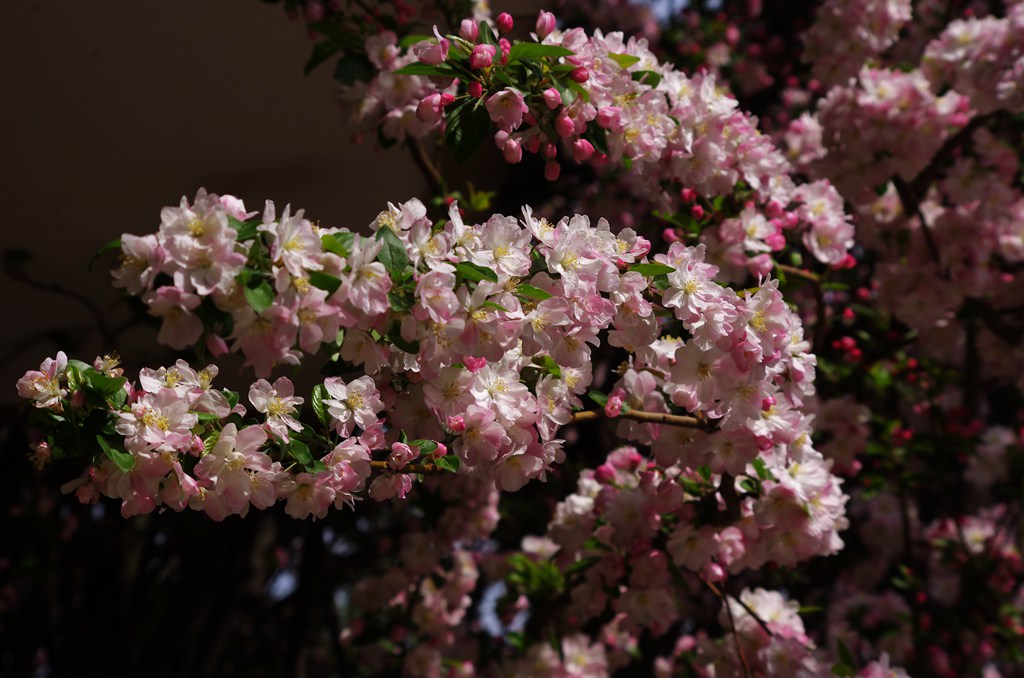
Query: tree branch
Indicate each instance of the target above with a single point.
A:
(430, 172)
(684, 421)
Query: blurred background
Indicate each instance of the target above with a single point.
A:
(112, 110)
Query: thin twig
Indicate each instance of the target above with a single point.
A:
(722, 594)
(819, 298)
(430, 172)
(640, 415)
(425, 469)
(732, 624)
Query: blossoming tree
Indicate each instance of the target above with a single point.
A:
(646, 381)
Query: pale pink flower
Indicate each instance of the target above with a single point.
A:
(279, 403)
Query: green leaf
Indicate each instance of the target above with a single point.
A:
(260, 297)
(124, 460)
(847, 665)
(531, 292)
(207, 416)
(410, 40)
(102, 384)
(353, 68)
(449, 462)
(425, 69)
(467, 127)
(535, 50)
(211, 441)
(392, 252)
(325, 282)
(581, 565)
(762, 471)
(623, 60)
(401, 302)
(300, 452)
(552, 367)
(424, 446)
(112, 245)
(649, 78)
(338, 243)
(598, 397)
(317, 401)
(487, 35)
(651, 270)
(231, 397)
(474, 272)
(246, 231)
(496, 307)
(412, 347)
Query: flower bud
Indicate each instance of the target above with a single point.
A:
(564, 126)
(216, 345)
(608, 116)
(761, 265)
(688, 195)
(456, 424)
(482, 56)
(579, 74)
(474, 365)
(669, 235)
(545, 24)
(552, 170)
(469, 30)
(552, 99)
(430, 108)
(475, 89)
(582, 150)
(513, 151)
(549, 151)
(506, 48)
(504, 22)
(697, 211)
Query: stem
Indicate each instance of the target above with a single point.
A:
(732, 624)
(819, 299)
(425, 469)
(639, 415)
(430, 172)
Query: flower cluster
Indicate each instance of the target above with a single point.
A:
(846, 34)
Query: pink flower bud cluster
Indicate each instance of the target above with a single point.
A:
(846, 34)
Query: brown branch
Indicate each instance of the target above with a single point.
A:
(425, 469)
(723, 595)
(911, 202)
(819, 299)
(429, 170)
(684, 421)
(732, 623)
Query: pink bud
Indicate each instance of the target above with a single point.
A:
(482, 56)
(475, 89)
(549, 151)
(697, 211)
(506, 48)
(447, 99)
(504, 22)
(441, 450)
(714, 572)
(532, 144)
(669, 235)
(474, 365)
(608, 116)
(513, 151)
(552, 170)
(604, 474)
(552, 98)
(776, 241)
(469, 30)
(760, 266)
(528, 117)
(430, 108)
(216, 345)
(545, 24)
(732, 35)
(767, 403)
(456, 424)
(564, 126)
(613, 407)
(582, 150)
(688, 194)
(848, 314)
(579, 74)
(599, 159)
